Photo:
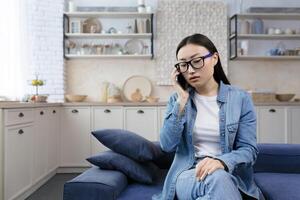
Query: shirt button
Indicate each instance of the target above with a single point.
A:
(222, 119)
(222, 134)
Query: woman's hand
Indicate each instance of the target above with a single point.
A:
(183, 95)
(207, 166)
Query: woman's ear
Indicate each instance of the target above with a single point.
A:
(215, 58)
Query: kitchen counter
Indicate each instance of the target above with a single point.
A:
(9, 105)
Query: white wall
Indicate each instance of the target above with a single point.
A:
(85, 76)
(46, 46)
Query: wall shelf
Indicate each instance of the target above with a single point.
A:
(142, 56)
(237, 50)
(267, 58)
(265, 36)
(100, 35)
(143, 32)
(109, 14)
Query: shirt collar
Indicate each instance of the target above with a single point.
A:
(222, 93)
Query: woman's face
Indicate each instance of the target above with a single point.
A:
(197, 77)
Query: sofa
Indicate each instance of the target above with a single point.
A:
(277, 174)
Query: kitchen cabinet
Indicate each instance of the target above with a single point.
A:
(40, 139)
(18, 151)
(75, 136)
(261, 36)
(295, 125)
(142, 120)
(53, 138)
(108, 35)
(104, 118)
(18, 160)
(273, 127)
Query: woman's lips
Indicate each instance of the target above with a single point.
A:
(194, 78)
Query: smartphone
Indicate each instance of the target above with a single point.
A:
(182, 82)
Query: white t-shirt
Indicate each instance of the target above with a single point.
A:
(206, 136)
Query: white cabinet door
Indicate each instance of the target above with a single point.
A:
(105, 118)
(161, 117)
(295, 125)
(75, 136)
(142, 120)
(273, 124)
(40, 139)
(53, 138)
(18, 160)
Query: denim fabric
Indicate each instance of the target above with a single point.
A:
(218, 185)
(237, 127)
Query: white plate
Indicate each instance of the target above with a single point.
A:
(134, 46)
(137, 82)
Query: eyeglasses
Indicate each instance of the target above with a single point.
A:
(196, 63)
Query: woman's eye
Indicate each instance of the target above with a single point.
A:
(197, 60)
(182, 65)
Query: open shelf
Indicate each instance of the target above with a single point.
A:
(108, 14)
(265, 36)
(280, 16)
(142, 56)
(267, 58)
(116, 35)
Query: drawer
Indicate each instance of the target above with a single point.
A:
(18, 116)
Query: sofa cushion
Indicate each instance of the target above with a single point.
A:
(95, 183)
(128, 144)
(139, 191)
(279, 186)
(140, 172)
(278, 158)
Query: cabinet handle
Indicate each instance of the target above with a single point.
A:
(75, 111)
(107, 111)
(20, 131)
(42, 113)
(21, 115)
(272, 110)
(54, 111)
(140, 111)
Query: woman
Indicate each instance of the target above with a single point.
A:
(212, 127)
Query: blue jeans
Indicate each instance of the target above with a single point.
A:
(219, 185)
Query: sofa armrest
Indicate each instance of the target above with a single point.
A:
(95, 184)
(278, 158)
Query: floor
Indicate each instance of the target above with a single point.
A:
(53, 189)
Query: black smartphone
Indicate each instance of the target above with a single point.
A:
(182, 82)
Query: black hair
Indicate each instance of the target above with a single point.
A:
(202, 40)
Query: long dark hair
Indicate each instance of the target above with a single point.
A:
(202, 40)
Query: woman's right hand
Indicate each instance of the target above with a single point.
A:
(183, 95)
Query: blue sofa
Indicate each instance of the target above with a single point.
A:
(277, 173)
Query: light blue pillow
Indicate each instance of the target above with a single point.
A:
(140, 172)
(129, 144)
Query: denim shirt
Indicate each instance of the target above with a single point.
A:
(237, 127)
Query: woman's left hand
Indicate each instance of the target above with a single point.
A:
(207, 166)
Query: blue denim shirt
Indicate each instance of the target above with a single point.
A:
(237, 127)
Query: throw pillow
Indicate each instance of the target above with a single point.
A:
(140, 172)
(129, 144)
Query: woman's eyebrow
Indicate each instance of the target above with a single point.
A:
(194, 55)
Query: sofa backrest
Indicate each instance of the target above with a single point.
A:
(278, 158)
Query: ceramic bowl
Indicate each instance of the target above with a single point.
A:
(75, 97)
(284, 97)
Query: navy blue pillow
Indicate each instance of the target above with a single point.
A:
(129, 144)
(140, 172)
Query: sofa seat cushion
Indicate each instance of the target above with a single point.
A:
(279, 186)
(142, 191)
(95, 184)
